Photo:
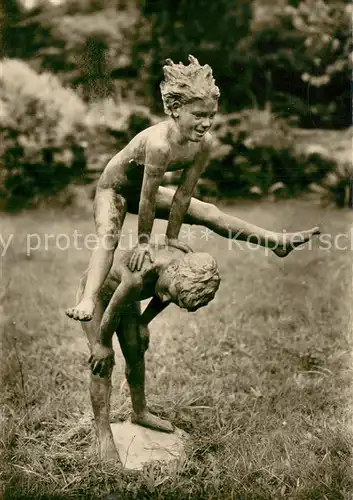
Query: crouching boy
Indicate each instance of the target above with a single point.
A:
(188, 280)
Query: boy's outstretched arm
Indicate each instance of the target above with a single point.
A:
(155, 166)
(183, 195)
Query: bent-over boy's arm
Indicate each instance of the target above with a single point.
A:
(183, 194)
(154, 307)
(102, 357)
(127, 291)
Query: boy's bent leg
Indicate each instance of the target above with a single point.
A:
(100, 392)
(109, 213)
(228, 226)
(133, 339)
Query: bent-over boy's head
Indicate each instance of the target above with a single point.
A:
(190, 96)
(190, 282)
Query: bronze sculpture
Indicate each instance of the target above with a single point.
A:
(189, 280)
(131, 182)
(110, 291)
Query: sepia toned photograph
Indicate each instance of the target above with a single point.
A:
(176, 250)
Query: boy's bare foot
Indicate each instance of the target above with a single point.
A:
(147, 419)
(107, 449)
(292, 240)
(83, 311)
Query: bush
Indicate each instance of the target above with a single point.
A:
(337, 187)
(86, 44)
(300, 58)
(50, 137)
(294, 54)
(41, 131)
(211, 31)
(92, 50)
(110, 126)
(257, 156)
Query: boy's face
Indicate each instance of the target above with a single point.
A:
(195, 118)
(165, 290)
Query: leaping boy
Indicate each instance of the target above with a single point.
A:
(131, 182)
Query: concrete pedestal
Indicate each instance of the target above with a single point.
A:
(138, 446)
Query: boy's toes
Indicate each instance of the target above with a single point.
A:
(83, 311)
(84, 316)
(310, 233)
(70, 312)
(78, 314)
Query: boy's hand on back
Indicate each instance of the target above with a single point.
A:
(141, 251)
(180, 245)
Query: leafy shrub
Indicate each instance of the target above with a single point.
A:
(294, 54)
(334, 146)
(257, 156)
(41, 129)
(50, 137)
(211, 31)
(110, 126)
(22, 33)
(87, 44)
(337, 186)
(300, 55)
(93, 49)
(90, 48)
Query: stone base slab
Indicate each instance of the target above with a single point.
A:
(138, 446)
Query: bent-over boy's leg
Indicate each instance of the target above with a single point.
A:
(109, 215)
(133, 339)
(228, 226)
(100, 388)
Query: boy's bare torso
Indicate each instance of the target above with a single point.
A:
(126, 168)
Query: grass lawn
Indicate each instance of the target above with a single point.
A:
(261, 378)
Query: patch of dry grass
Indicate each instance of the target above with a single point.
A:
(261, 378)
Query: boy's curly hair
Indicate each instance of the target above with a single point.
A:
(183, 84)
(196, 279)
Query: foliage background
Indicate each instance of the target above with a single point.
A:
(282, 66)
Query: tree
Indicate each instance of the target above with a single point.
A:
(211, 31)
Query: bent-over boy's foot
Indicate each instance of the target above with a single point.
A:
(291, 240)
(147, 419)
(83, 311)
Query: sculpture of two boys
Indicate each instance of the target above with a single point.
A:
(115, 282)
